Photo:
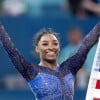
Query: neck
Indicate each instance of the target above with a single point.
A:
(50, 64)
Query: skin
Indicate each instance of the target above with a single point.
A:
(48, 49)
(1, 28)
(75, 36)
(91, 6)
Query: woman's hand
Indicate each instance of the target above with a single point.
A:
(1, 28)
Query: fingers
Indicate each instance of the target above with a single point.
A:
(1, 28)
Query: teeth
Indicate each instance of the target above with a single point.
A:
(51, 53)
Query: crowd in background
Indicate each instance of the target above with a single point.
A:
(78, 8)
(73, 8)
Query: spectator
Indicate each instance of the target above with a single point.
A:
(74, 37)
(34, 7)
(83, 8)
(90, 58)
(14, 7)
(92, 7)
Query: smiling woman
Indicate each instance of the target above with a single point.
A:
(47, 46)
(48, 80)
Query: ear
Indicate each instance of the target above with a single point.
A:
(37, 49)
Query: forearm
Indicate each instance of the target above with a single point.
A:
(16, 58)
(88, 5)
(91, 38)
(11, 50)
(27, 69)
(76, 61)
(88, 42)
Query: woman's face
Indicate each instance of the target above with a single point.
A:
(48, 47)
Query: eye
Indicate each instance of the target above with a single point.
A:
(44, 44)
(55, 43)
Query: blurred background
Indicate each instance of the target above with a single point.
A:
(71, 19)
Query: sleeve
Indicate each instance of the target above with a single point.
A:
(27, 69)
(75, 62)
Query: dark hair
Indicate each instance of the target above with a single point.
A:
(42, 32)
(74, 28)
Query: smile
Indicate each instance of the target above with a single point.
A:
(51, 53)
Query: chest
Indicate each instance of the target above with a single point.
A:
(46, 84)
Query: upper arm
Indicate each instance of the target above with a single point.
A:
(75, 62)
(27, 69)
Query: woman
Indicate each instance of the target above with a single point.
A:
(48, 80)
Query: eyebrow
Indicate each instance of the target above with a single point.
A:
(47, 41)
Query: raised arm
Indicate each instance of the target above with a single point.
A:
(75, 62)
(28, 70)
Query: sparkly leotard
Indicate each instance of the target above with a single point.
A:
(46, 83)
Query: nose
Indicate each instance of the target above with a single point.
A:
(50, 46)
